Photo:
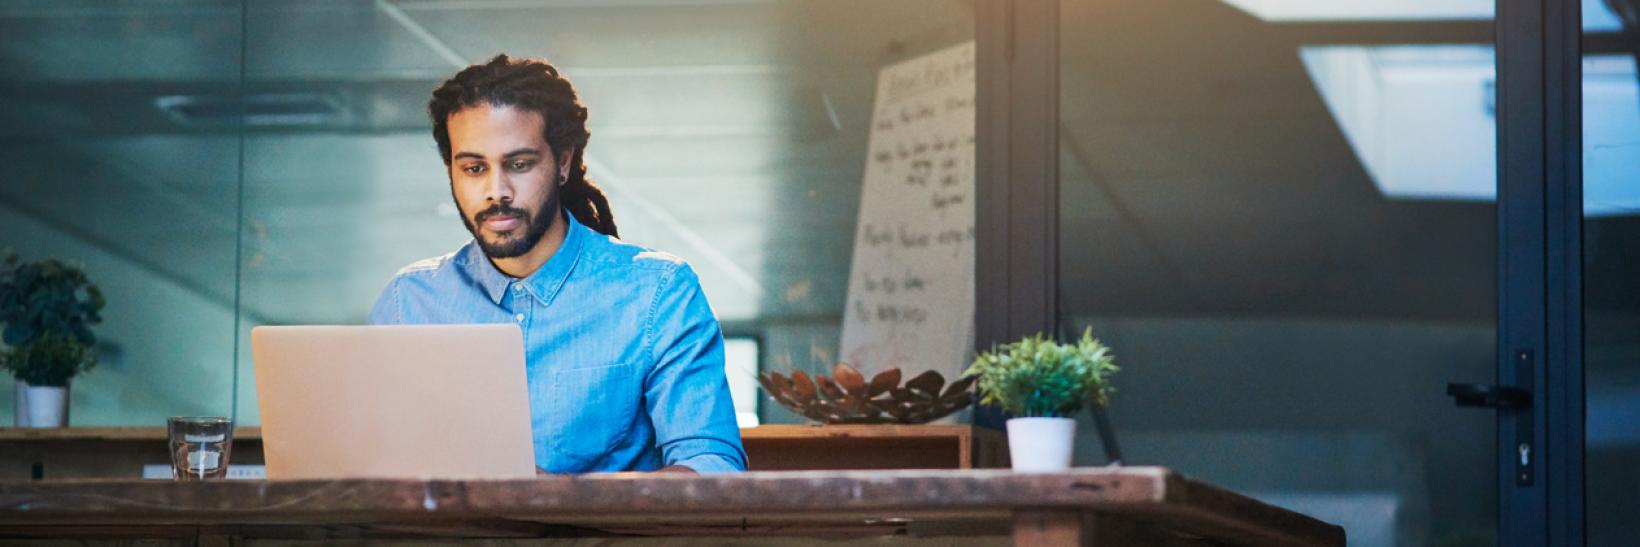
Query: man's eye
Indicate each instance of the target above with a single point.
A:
(522, 165)
(473, 169)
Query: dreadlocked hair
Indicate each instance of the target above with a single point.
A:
(534, 85)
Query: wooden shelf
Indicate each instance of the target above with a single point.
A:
(842, 447)
(105, 434)
(113, 452)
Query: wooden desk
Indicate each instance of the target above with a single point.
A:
(1124, 506)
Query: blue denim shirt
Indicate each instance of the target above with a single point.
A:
(623, 355)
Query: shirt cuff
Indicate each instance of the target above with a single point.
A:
(703, 459)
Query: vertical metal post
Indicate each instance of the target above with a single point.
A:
(1563, 194)
(1017, 172)
(1539, 259)
(1521, 295)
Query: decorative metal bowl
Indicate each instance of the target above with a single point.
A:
(847, 398)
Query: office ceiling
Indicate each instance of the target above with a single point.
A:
(1203, 173)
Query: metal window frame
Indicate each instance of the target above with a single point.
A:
(1016, 191)
(1563, 196)
(1540, 305)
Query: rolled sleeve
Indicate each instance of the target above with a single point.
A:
(686, 393)
(706, 456)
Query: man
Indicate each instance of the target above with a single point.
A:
(624, 357)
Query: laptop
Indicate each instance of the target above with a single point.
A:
(412, 401)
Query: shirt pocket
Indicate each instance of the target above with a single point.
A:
(593, 408)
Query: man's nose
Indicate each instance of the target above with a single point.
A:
(499, 187)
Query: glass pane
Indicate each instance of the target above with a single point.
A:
(732, 134)
(1611, 266)
(117, 128)
(1282, 221)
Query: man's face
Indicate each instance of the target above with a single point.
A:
(504, 177)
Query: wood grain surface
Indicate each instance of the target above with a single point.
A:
(772, 503)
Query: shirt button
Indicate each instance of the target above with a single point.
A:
(519, 317)
(518, 288)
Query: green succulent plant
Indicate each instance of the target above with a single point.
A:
(48, 308)
(1037, 377)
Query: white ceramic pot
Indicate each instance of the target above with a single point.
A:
(1041, 444)
(19, 404)
(42, 406)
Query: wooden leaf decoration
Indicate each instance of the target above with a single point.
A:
(849, 379)
(802, 385)
(903, 395)
(959, 386)
(827, 387)
(780, 382)
(839, 399)
(928, 383)
(768, 385)
(884, 381)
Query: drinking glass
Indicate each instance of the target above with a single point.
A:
(200, 446)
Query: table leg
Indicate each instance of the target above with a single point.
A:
(213, 539)
(1051, 528)
(1073, 528)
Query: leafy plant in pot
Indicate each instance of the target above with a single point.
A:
(47, 308)
(1042, 384)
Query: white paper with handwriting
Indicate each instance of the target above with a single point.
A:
(911, 285)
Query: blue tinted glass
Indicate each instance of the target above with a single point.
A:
(1611, 296)
(118, 129)
(732, 134)
(1289, 241)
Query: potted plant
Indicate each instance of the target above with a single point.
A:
(1042, 384)
(47, 308)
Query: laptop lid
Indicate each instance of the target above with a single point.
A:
(411, 401)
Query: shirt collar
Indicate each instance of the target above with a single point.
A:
(546, 280)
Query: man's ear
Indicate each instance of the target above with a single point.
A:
(563, 165)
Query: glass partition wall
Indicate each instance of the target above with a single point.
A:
(272, 161)
(732, 134)
(1281, 217)
(1611, 270)
(122, 145)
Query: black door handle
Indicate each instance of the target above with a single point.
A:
(1489, 396)
(1514, 398)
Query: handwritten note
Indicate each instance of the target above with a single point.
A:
(911, 288)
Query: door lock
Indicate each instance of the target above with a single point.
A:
(1515, 398)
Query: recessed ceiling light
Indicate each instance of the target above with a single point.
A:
(266, 109)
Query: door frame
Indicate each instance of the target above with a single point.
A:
(1540, 243)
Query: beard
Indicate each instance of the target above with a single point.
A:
(512, 243)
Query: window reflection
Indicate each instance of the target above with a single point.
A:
(732, 134)
(1611, 264)
(1286, 236)
(99, 175)
(1412, 115)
